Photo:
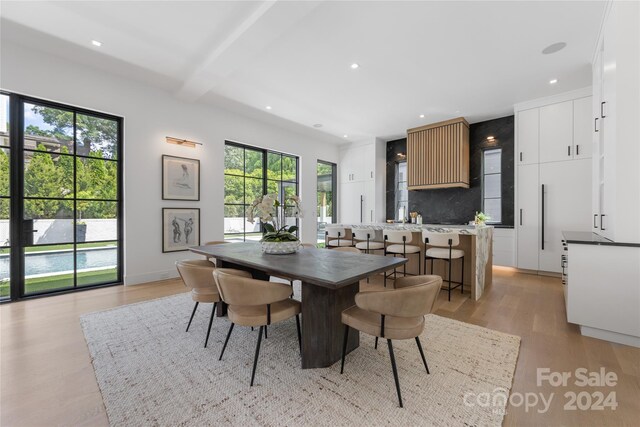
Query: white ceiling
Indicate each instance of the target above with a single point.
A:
(442, 59)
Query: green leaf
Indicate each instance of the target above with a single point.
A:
(269, 227)
(292, 229)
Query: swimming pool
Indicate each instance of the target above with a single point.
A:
(52, 262)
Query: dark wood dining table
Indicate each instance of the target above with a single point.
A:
(330, 281)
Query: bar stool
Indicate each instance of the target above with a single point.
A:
(334, 237)
(399, 245)
(365, 242)
(444, 244)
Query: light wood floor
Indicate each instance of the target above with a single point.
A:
(47, 377)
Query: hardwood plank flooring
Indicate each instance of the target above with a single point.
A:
(47, 377)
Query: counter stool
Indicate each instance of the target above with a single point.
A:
(365, 240)
(396, 242)
(335, 237)
(444, 244)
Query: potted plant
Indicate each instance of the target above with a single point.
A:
(481, 219)
(278, 239)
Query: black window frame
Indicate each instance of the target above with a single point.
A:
(265, 180)
(17, 102)
(484, 174)
(334, 193)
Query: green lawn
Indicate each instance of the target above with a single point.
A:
(42, 284)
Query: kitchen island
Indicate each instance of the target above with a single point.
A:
(475, 241)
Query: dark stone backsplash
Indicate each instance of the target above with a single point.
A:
(458, 205)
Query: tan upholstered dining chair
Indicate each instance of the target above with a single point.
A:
(255, 303)
(394, 314)
(197, 276)
(214, 242)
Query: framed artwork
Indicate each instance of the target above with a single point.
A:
(180, 178)
(180, 229)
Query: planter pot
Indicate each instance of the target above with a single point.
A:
(280, 248)
(81, 232)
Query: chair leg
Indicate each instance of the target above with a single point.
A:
(344, 346)
(265, 332)
(462, 276)
(395, 371)
(255, 359)
(226, 341)
(299, 333)
(213, 313)
(291, 283)
(195, 307)
(424, 360)
(376, 344)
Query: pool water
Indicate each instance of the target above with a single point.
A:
(62, 261)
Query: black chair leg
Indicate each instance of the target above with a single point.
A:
(265, 332)
(344, 346)
(299, 333)
(376, 344)
(395, 371)
(195, 307)
(255, 359)
(213, 313)
(226, 341)
(424, 360)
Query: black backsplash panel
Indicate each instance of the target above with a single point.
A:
(458, 205)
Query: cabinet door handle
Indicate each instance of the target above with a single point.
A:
(542, 216)
(595, 216)
(602, 109)
(371, 215)
(577, 150)
(569, 150)
(595, 125)
(371, 174)
(602, 222)
(521, 156)
(520, 216)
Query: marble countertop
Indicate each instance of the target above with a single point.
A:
(460, 229)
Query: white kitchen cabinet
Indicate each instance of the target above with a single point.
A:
(527, 217)
(565, 205)
(582, 128)
(504, 249)
(528, 126)
(556, 132)
(357, 163)
(350, 205)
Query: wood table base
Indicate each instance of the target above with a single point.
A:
(322, 328)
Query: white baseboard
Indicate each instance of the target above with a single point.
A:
(150, 277)
(610, 336)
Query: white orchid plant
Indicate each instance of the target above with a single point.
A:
(268, 210)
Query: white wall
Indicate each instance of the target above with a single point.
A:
(150, 115)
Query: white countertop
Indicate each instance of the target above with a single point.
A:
(460, 229)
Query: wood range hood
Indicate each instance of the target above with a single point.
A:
(438, 155)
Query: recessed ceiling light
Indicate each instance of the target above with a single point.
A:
(553, 48)
(268, 107)
(96, 43)
(553, 81)
(422, 116)
(345, 136)
(354, 66)
(317, 125)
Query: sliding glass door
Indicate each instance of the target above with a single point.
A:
(66, 231)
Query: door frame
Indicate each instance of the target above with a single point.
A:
(17, 233)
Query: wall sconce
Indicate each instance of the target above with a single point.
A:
(401, 156)
(183, 142)
(491, 138)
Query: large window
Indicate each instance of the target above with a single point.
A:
(326, 191)
(65, 192)
(250, 172)
(492, 184)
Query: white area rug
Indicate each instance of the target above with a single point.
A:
(151, 372)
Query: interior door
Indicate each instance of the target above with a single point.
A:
(567, 207)
(527, 217)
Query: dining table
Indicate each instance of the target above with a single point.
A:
(330, 281)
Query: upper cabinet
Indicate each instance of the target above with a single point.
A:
(438, 155)
(528, 135)
(556, 132)
(357, 163)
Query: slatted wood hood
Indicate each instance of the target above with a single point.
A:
(438, 155)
